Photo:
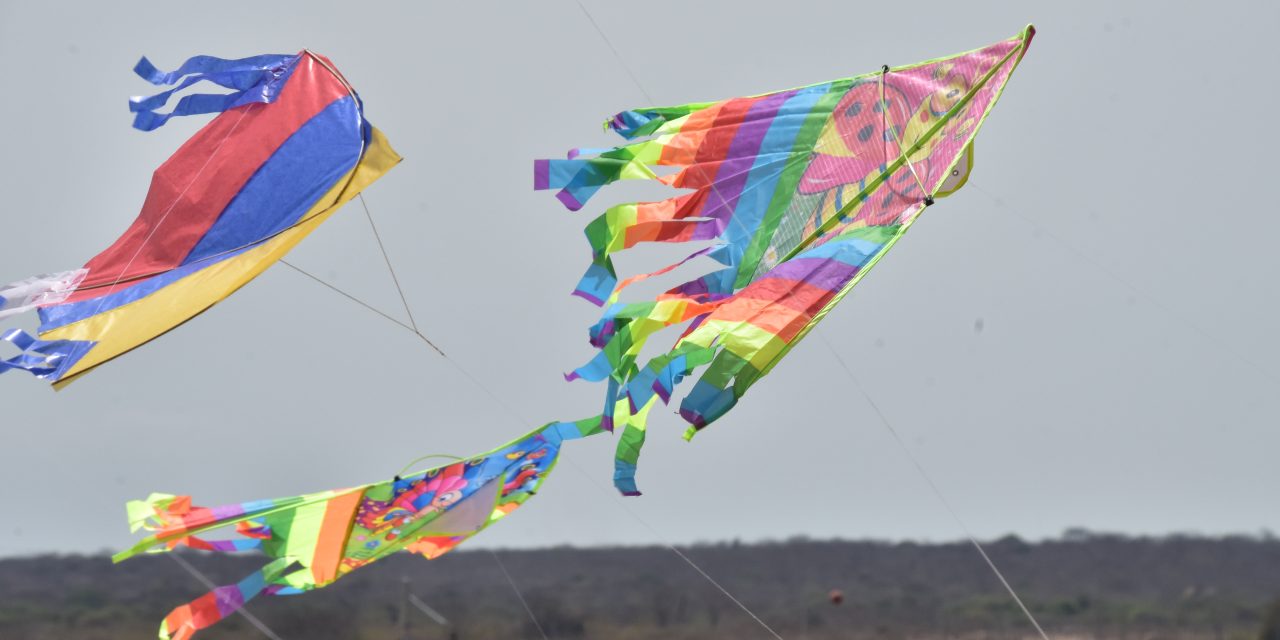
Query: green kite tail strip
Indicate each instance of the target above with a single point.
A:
(802, 192)
(316, 539)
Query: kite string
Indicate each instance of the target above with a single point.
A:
(467, 374)
(394, 278)
(616, 56)
(344, 294)
(937, 492)
(519, 595)
(209, 584)
(381, 247)
(672, 548)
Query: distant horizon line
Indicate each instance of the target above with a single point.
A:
(1071, 535)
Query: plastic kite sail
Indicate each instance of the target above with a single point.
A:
(316, 539)
(801, 191)
(290, 146)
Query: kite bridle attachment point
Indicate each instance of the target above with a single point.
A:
(902, 156)
(415, 461)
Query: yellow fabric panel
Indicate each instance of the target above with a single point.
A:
(129, 326)
(758, 346)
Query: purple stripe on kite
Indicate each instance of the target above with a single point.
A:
(694, 419)
(541, 174)
(822, 273)
(662, 391)
(692, 288)
(588, 297)
(604, 329)
(227, 511)
(229, 599)
(742, 155)
(762, 184)
(569, 201)
(702, 229)
(258, 505)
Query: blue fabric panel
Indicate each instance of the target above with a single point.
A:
(304, 168)
(277, 196)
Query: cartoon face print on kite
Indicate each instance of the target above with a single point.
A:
(859, 139)
(424, 497)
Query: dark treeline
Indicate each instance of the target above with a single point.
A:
(1080, 586)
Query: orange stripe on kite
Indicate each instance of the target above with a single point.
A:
(338, 516)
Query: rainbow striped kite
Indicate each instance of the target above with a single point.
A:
(316, 539)
(802, 192)
(290, 146)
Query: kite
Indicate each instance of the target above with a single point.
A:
(289, 147)
(315, 539)
(801, 192)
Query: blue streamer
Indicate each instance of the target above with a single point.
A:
(42, 358)
(205, 65)
(257, 79)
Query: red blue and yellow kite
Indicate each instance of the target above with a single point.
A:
(290, 146)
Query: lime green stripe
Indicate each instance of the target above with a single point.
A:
(785, 190)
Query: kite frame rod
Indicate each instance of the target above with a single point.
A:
(839, 216)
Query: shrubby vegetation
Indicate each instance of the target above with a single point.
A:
(1082, 585)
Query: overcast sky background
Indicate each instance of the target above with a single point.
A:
(1084, 336)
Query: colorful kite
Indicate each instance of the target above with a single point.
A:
(802, 192)
(316, 539)
(289, 147)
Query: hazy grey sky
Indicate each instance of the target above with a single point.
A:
(1116, 242)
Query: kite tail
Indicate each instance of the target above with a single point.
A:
(682, 137)
(257, 79)
(50, 288)
(41, 358)
(655, 382)
(44, 359)
(637, 123)
(183, 622)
